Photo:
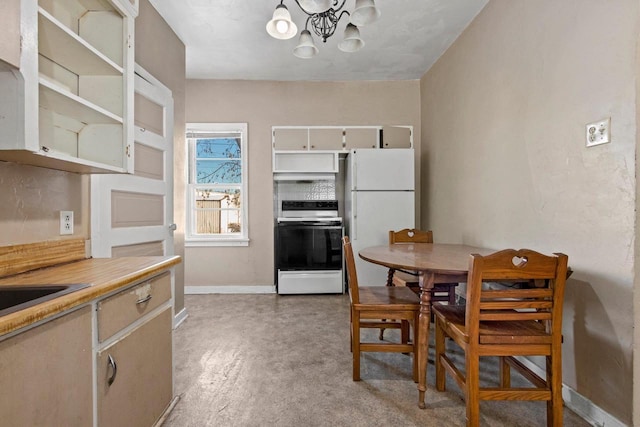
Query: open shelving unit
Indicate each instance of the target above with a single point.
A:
(75, 87)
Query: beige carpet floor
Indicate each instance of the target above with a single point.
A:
(269, 360)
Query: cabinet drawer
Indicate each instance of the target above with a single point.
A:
(124, 308)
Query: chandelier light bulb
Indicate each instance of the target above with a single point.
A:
(281, 26)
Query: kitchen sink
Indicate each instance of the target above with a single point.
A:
(19, 297)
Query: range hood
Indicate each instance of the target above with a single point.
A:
(301, 176)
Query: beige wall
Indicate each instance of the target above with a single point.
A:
(265, 104)
(505, 164)
(161, 53)
(31, 199)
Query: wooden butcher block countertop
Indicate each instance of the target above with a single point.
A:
(104, 275)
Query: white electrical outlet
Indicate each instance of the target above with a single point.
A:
(599, 132)
(66, 222)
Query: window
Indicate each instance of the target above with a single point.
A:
(217, 186)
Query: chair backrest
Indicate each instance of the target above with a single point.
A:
(352, 276)
(542, 303)
(410, 235)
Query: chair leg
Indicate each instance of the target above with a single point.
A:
(554, 380)
(390, 274)
(452, 295)
(416, 320)
(355, 329)
(440, 350)
(472, 387)
(351, 330)
(505, 373)
(404, 331)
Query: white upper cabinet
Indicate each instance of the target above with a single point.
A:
(70, 104)
(9, 33)
(290, 138)
(325, 138)
(397, 137)
(361, 138)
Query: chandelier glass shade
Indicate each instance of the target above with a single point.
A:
(323, 17)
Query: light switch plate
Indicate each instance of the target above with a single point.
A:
(599, 132)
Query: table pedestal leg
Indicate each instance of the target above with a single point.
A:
(426, 284)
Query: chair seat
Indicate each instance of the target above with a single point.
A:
(440, 291)
(516, 332)
(389, 298)
(401, 278)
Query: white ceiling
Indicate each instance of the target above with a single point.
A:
(226, 39)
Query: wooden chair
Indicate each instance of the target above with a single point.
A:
(371, 304)
(506, 323)
(442, 292)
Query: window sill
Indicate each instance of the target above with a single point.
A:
(194, 243)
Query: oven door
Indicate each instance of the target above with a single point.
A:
(308, 246)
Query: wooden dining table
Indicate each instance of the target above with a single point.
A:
(435, 263)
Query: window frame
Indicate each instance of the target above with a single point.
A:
(191, 238)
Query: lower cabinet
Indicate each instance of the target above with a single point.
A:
(46, 374)
(135, 375)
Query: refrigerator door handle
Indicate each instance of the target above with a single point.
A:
(354, 208)
(354, 176)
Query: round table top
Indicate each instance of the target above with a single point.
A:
(443, 258)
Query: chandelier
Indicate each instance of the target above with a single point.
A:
(322, 17)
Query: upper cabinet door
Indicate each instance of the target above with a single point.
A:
(290, 138)
(361, 138)
(325, 138)
(396, 137)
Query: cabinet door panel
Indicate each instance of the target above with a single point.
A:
(45, 374)
(290, 139)
(142, 386)
(396, 137)
(325, 139)
(361, 138)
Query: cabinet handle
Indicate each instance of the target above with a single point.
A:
(112, 364)
(143, 300)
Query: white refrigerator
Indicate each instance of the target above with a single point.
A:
(379, 196)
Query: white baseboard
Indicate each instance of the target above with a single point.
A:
(195, 290)
(179, 318)
(579, 404)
